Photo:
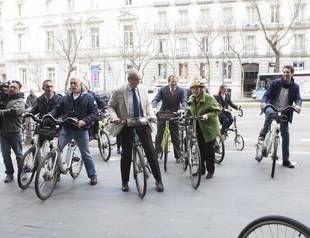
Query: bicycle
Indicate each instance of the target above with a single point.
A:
(272, 139)
(141, 169)
(275, 226)
(54, 164)
(238, 139)
(190, 149)
(219, 150)
(33, 156)
(104, 143)
(166, 117)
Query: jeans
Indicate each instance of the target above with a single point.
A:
(270, 115)
(82, 140)
(14, 141)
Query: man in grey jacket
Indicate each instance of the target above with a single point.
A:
(11, 129)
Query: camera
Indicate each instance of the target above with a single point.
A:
(4, 94)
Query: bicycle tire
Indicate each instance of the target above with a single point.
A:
(76, 164)
(268, 224)
(51, 175)
(194, 161)
(274, 155)
(139, 171)
(219, 149)
(104, 145)
(239, 142)
(259, 152)
(28, 166)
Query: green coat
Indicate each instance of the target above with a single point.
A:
(207, 105)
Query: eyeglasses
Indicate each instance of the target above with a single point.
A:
(14, 87)
(73, 83)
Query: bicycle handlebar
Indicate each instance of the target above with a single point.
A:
(60, 122)
(287, 108)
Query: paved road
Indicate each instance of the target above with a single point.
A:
(240, 192)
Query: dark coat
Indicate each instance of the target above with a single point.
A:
(44, 105)
(169, 102)
(273, 92)
(225, 103)
(83, 108)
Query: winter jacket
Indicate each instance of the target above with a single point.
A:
(44, 105)
(11, 117)
(207, 105)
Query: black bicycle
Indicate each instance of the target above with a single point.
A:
(275, 227)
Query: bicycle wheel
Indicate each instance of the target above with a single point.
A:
(259, 152)
(76, 163)
(104, 145)
(239, 142)
(219, 149)
(28, 168)
(139, 171)
(46, 177)
(194, 162)
(274, 155)
(275, 226)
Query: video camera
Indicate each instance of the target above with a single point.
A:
(4, 94)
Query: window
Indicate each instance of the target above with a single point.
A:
(250, 44)
(1, 9)
(183, 71)
(20, 9)
(274, 10)
(71, 5)
(23, 76)
(183, 17)
(205, 15)
(128, 35)
(183, 45)
(95, 4)
(50, 40)
(50, 73)
(227, 68)
(203, 69)
(1, 48)
(298, 66)
(271, 67)
(128, 2)
(161, 46)
(226, 42)
(72, 38)
(20, 41)
(204, 44)
(228, 16)
(300, 12)
(251, 15)
(95, 43)
(162, 71)
(299, 45)
(162, 16)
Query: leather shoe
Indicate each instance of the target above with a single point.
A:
(125, 187)
(288, 164)
(93, 180)
(159, 186)
(8, 178)
(209, 175)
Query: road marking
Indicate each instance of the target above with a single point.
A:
(253, 152)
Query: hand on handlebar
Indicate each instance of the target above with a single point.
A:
(205, 116)
(152, 119)
(81, 124)
(298, 109)
(263, 105)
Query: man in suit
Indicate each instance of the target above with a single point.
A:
(172, 97)
(129, 101)
(223, 98)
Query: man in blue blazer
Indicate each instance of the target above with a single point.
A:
(172, 97)
(281, 93)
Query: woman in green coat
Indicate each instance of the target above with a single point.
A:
(203, 104)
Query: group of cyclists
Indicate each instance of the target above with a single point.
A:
(131, 100)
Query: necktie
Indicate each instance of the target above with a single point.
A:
(135, 103)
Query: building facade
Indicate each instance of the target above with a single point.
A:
(220, 41)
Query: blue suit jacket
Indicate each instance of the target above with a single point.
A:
(273, 92)
(170, 103)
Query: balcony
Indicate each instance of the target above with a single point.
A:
(298, 52)
(204, 1)
(182, 2)
(225, 1)
(182, 53)
(301, 25)
(161, 3)
(250, 53)
(204, 25)
(274, 26)
(161, 28)
(183, 27)
(250, 26)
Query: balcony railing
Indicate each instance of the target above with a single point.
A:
(182, 53)
(182, 2)
(274, 26)
(204, 25)
(301, 25)
(161, 3)
(301, 52)
(250, 26)
(161, 28)
(250, 53)
(183, 27)
(204, 1)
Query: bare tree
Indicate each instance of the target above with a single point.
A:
(277, 35)
(36, 73)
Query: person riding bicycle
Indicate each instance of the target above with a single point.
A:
(128, 101)
(282, 92)
(172, 96)
(81, 105)
(224, 99)
(203, 104)
(46, 102)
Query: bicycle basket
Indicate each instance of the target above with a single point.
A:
(137, 121)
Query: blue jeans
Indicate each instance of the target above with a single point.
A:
(270, 115)
(82, 140)
(11, 141)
